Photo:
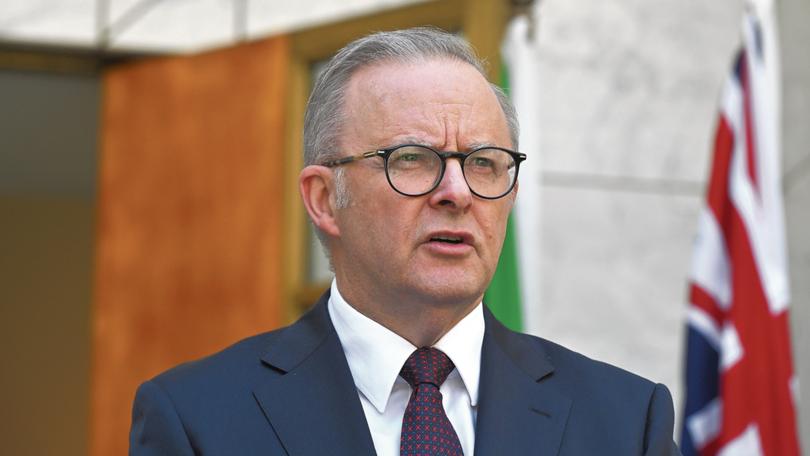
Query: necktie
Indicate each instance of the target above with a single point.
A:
(426, 431)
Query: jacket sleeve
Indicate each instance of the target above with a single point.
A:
(156, 427)
(660, 423)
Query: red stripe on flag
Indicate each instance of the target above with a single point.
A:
(721, 164)
(699, 298)
(755, 390)
(711, 448)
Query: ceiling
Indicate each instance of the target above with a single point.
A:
(167, 26)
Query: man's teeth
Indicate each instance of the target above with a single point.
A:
(454, 240)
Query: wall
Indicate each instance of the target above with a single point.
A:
(47, 170)
(794, 17)
(630, 91)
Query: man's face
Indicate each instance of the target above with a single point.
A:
(397, 246)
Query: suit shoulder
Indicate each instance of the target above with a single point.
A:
(571, 367)
(636, 413)
(240, 360)
(245, 364)
(208, 403)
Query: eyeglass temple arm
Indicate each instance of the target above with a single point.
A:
(520, 157)
(351, 158)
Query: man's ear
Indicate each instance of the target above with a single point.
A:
(316, 185)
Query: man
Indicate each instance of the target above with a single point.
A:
(410, 176)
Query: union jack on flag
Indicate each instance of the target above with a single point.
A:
(740, 385)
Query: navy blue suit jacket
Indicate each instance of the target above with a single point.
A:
(290, 392)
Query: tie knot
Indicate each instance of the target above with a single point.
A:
(426, 365)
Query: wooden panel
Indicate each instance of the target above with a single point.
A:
(295, 228)
(191, 195)
(484, 26)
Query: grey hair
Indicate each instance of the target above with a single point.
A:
(324, 118)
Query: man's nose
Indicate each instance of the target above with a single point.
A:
(452, 189)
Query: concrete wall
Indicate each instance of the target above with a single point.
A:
(794, 18)
(630, 92)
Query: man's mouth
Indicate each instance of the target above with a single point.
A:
(447, 239)
(450, 243)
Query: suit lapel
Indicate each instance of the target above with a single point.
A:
(313, 405)
(518, 412)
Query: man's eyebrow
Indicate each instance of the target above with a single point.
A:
(478, 145)
(423, 142)
(415, 140)
(406, 140)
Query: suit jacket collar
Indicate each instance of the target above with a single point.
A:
(314, 400)
(519, 409)
(313, 405)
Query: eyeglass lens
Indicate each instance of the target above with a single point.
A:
(416, 170)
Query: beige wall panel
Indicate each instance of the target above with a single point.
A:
(45, 244)
(190, 206)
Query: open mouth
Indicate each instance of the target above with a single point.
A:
(447, 239)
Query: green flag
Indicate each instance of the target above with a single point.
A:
(503, 295)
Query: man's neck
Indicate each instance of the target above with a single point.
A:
(418, 319)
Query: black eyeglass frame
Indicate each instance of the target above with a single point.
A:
(518, 157)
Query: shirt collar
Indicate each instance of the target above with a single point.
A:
(462, 344)
(376, 354)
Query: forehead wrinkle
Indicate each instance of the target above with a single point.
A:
(462, 132)
(420, 124)
(449, 119)
(439, 125)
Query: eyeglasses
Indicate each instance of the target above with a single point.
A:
(416, 170)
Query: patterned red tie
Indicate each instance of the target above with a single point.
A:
(426, 431)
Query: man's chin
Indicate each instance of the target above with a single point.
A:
(450, 289)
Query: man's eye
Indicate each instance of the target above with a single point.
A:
(409, 157)
(482, 162)
(409, 160)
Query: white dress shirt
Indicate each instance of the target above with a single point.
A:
(376, 355)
